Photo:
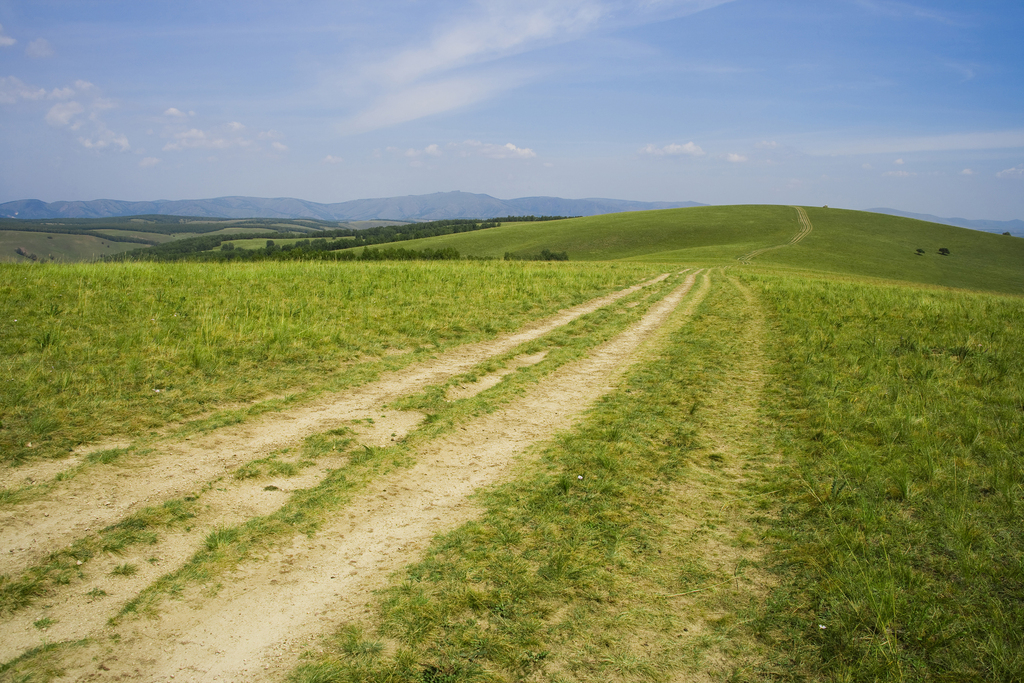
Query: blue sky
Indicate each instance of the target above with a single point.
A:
(915, 105)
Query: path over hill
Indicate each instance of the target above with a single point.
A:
(805, 230)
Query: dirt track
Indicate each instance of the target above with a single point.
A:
(311, 585)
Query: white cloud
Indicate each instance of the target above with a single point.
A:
(767, 144)
(674, 150)
(1015, 172)
(866, 167)
(506, 151)
(13, 89)
(149, 162)
(898, 174)
(735, 158)
(106, 138)
(429, 150)
(176, 113)
(332, 159)
(967, 171)
(279, 147)
(236, 126)
(898, 162)
(195, 139)
(39, 48)
(62, 114)
(5, 40)
(268, 135)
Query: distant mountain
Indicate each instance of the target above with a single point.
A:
(1015, 227)
(425, 207)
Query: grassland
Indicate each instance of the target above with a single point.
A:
(56, 247)
(816, 473)
(842, 242)
(88, 351)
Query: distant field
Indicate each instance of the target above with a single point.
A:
(848, 242)
(707, 234)
(57, 247)
(859, 243)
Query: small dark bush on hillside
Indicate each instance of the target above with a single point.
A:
(944, 251)
(920, 252)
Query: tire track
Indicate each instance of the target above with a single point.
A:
(308, 587)
(105, 494)
(805, 230)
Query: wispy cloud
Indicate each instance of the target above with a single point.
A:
(149, 162)
(329, 159)
(39, 48)
(422, 80)
(6, 40)
(906, 10)
(674, 149)
(967, 171)
(899, 174)
(176, 113)
(1015, 172)
(232, 134)
(506, 151)
(63, 113)
(736, 158)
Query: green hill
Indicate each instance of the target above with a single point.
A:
(849, 242)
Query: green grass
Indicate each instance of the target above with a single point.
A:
(307, 509)
(574, 570)
(88, 351)
(712, 235)
(844, 242)
(866, 244)
(901, 536)
(57, 247)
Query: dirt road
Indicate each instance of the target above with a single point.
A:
(307, 586)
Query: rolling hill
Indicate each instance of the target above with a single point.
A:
(842, 242)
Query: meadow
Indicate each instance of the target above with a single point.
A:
(814, 470)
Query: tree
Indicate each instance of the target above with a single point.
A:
(920, 252)
(944, 251)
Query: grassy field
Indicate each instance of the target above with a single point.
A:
(57, 247)
(816, 474)
(87, 351)
(706, 235)
(842, 242)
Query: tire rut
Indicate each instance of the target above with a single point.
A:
(805, 230)
(104, 494)
(308, 587)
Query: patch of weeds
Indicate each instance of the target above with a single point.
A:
(96, 593)
(44, 623)
(125, 569)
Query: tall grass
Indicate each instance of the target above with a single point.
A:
(91, 350)
(903, 527)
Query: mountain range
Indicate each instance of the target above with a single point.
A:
(1015, 227)
(437, 206)
(426, 207)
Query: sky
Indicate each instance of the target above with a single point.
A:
(916, 105)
